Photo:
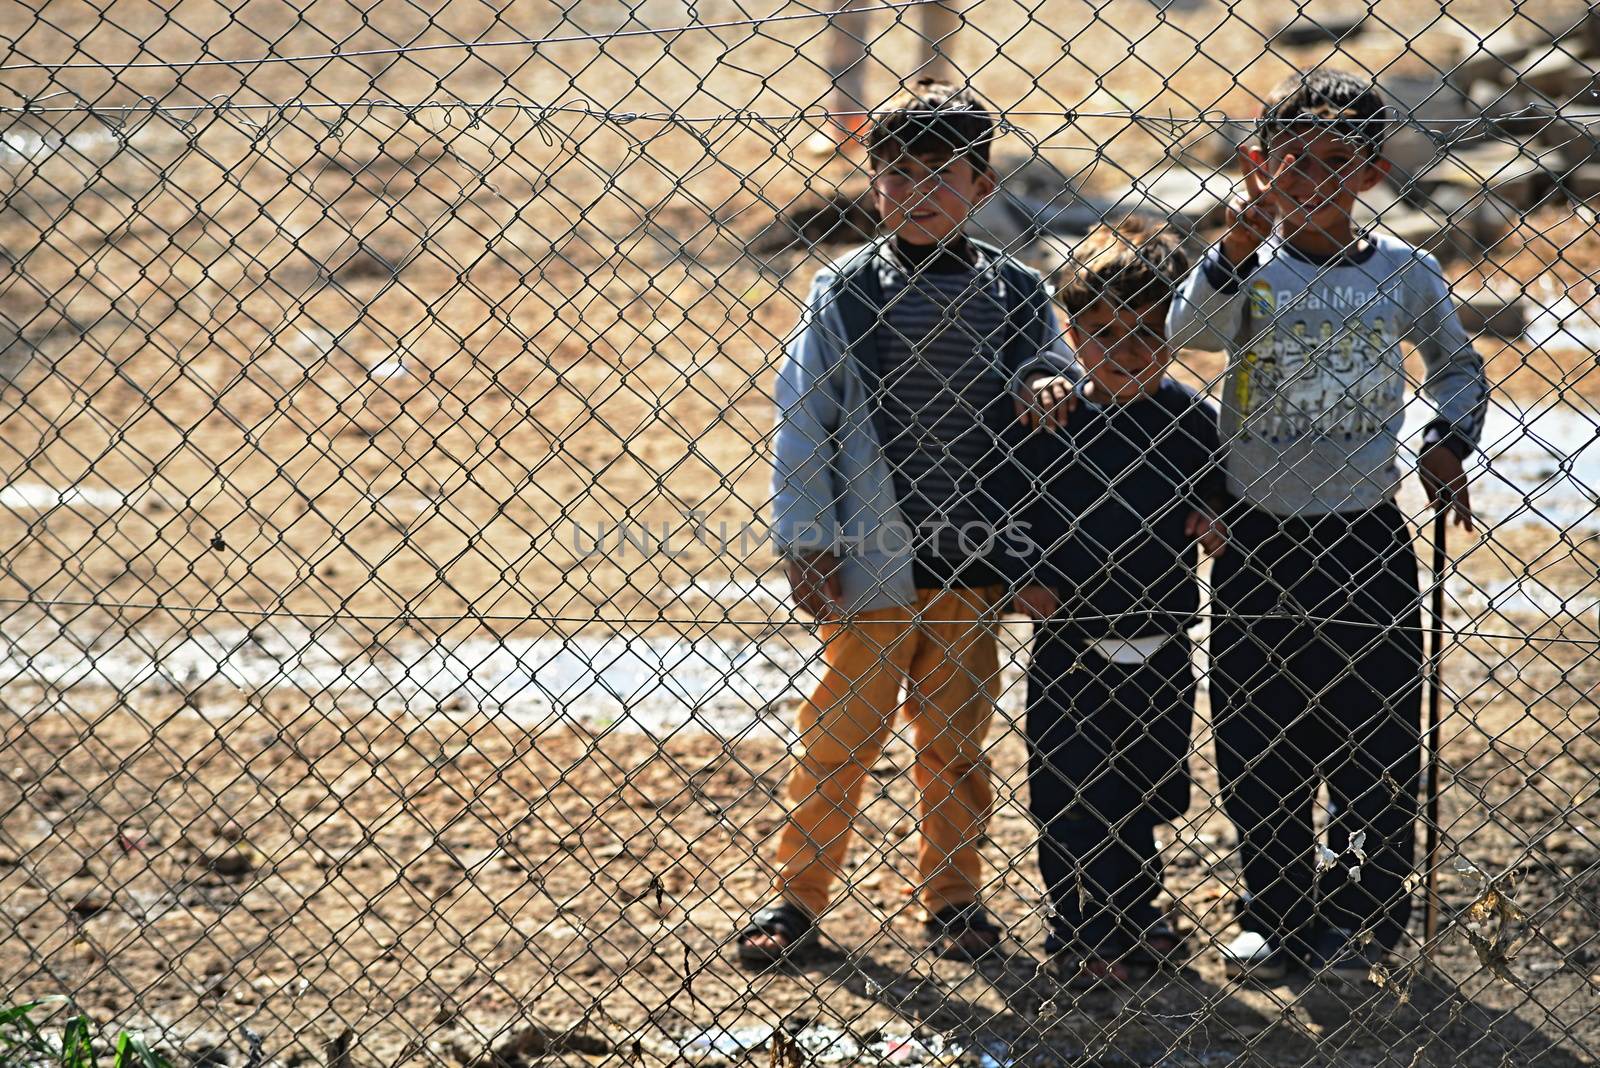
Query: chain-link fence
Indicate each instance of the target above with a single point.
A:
(415, 416)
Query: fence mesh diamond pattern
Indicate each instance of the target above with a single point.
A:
(413, 412)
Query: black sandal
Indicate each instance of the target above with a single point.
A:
(951, 922)
(783, 921)
(1161, 947)
(1083, 974)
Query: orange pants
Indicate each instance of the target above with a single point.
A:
(942, 651)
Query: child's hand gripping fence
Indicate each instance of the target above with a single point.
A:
(397, 667)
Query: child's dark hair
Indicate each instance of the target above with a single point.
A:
(1351, 107)
(932, 119)
(1136, 263)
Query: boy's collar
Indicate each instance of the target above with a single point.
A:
(955, 256)
(1110, 405)
(1356, 253)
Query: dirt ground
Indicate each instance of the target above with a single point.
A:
(314, 419)
(438, 886)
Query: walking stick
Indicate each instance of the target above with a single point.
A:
(1430, 907)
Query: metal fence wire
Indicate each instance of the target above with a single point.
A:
(415, 416)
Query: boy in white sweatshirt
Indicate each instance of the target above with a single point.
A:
(1317, 646)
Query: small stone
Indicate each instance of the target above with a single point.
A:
(1558, 843)
(90, 905)
(1580, 183)
(232, 863)
(1491, 316)
(1514, 175)
(1309, 31)
(1557, 75)
(1493, 58)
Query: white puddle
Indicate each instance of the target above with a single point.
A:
(1543, 469)
(1558, 323)
(35, 497)
(19, 145)
(652, 684)
(1538, 465)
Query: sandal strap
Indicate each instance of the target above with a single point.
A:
(784, 919)
(958, 919)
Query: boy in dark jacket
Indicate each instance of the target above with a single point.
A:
(1118, 499)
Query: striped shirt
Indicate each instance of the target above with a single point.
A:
(938, 346)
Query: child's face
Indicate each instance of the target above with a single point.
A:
(923, 199)
(1316, 177)
(1123, 350)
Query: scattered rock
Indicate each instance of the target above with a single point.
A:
(336, 1051)
(1014, 221)
(1035, 176)
(1487, 314)
(1506, 108)
(212, 987)
(1436, 115)
(1196, 199)
(1557, 842)
(1310, 31)
(365, 262)
(1495, 57)
(1574, 135)
(1217, 147)
(1516, 176)
(232, 862)
(209, 1057)
(840, 218)
(536, 1040)
(1454, 224)
(91, 904)
(1580, 184)
(1557, 75)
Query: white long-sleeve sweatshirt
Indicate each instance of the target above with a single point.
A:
(1315, 390)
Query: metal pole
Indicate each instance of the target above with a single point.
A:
(1430, 908)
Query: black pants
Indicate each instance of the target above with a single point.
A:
(1299, 702)
(1107, 761)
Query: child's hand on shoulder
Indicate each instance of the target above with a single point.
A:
(1047, 400)
(1209, 531)
(1035, 601)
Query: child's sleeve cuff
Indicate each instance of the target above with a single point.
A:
(1225, 277)
(1441, 433)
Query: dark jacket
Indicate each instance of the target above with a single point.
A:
(1105, 501)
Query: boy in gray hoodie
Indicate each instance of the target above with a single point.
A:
(1317, 647)
(890, 510)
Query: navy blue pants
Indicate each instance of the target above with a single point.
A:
(1107, 762)
(1325, 690)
